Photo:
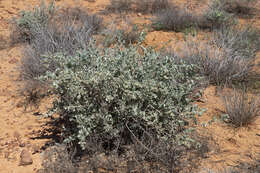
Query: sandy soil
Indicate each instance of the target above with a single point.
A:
(19, 129)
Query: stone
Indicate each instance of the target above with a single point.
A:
(25, 158)
(22, 144)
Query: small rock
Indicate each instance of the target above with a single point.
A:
(17, 135)
(25, 158)
(13, 61)
(22, 144)
(35, 149)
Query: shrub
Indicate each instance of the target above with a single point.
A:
(25, 27)
(118, 93)
(32, 92)
(57, 159)
(174, 19)
(120, 5)
(161, 157)
(144, 6)
(228, 57)
(66, 32)
(159, 5)
(152, 6)
(128, 34)
(240, 7)
(3, 42)
(47, 31)
(215, 16)
(241, 108)
(243, 41)
(221, 67)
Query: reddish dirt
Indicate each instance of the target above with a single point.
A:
(18, 127)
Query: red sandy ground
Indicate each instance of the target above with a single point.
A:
(18, 127)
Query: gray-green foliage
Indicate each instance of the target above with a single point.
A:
(29, 21)
(217, 15)
(119, 91)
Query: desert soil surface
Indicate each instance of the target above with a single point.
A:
(21, 129)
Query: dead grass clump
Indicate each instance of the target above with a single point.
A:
(228, 57)
(146, 155)
(3, 42)
(152, 6)
(243, 41)
(159, 5)
(174, 19)
(120, 5)
(48, 31)
(220, 66)
(57, 159)
(215, 16)
(240, 7)
(33, 92)
(241, 108)
(66, 31)
(144, 6)
(127, 34)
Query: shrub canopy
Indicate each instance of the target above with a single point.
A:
(118, 91)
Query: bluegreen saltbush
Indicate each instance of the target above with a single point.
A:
(118, 92)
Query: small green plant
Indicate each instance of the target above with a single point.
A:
(216, 16)
(241, 108)
(26, 26)
(190, 31)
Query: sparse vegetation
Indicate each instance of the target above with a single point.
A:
(119, 96)
(144, 6)
(215, 16)
(241, 108)
(58, 159)
(239, 7)
(228, 57)
(174, 19)
(128, 34)
(243, 41)
(121, 106)
(130, 88)
(178, 19)
(47, 31)
(27, 25)
(3, 42)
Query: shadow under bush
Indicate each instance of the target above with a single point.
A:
(117, 97)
